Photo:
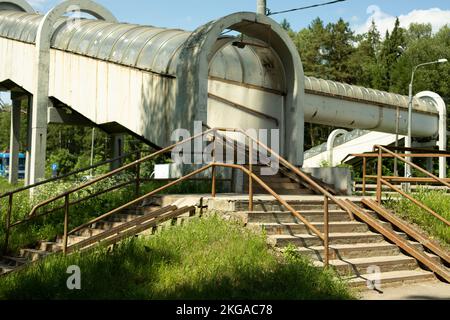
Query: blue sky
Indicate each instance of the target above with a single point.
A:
(189, 14)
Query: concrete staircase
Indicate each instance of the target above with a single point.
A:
(283, 183)
(147, 217)
(355, 250)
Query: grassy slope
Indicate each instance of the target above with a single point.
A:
(49, 227)
(205, 259)
(436, 200)
(5, 186)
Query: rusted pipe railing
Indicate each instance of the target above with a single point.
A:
(383, 181)
(252, 178)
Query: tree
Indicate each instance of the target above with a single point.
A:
(285, 25)
(310, 43)
(364, 60)
(338, 51)
(418, 31)
(390, 53)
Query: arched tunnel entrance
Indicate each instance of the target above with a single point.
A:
(246, 86)
(253, 80)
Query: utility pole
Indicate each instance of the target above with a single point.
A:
(261, 7)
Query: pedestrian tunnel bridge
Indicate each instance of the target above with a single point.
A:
(149, 81)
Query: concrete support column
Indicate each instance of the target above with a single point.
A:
(42, 77)
(28, 147)
(14, 141)
(38, 138)
(442, 142)
(117, 143)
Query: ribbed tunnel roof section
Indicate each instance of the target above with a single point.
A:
(157, 50)
(357, 93)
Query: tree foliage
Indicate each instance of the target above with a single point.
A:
(335, 52)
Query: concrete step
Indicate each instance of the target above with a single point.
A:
(123, 217)
(362, 265)
(270, 206)
(50, 246)
(106, 225)
(309, 240)
(33, 254)
(287, 217)
(392, 278)
(283, 185)
(298, 228)
(357, 250)
(272, 179)
(72, 239)
(284, 192)
(351, 251)
(89, 232)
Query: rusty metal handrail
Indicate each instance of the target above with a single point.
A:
(66, 195)
(288, 165)
(252, 177)
(248, 172)
(381, 181)
(38, 184)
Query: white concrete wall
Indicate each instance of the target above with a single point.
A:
(107, 92)
(17, 62)
(361, 144)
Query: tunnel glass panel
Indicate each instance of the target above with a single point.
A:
(108, 43)
(31, 24)
(148, 53)
(79, 35)
(21, 25)
(131, 54)
(29, 35)
(8, 24)
(124, 42)
(63, 36)
(89, 36)
(166, 53)
(98, 37)
(341, 89)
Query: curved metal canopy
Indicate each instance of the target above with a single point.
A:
(157, 50)
(358, 93)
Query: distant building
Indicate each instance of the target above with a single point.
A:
(4, 165)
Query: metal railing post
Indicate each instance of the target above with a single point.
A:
(138, 177)
(8, 224)
(326, 232)
(364, 172)
(213, 169)
(379, 175)
(66, 223)
(250, 177)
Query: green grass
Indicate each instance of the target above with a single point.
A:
(5, 186)
(207, 258)
(48, 227)
(439, 201)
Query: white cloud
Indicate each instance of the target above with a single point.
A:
(385, 21)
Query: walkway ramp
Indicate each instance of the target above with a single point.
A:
(354, 142)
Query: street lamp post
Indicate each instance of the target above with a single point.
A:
(408, 143)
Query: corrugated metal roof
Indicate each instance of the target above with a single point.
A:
(144, 47)
(347, 91)
(157, 50)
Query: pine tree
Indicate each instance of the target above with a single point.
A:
(390, 54)
(338, 51)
